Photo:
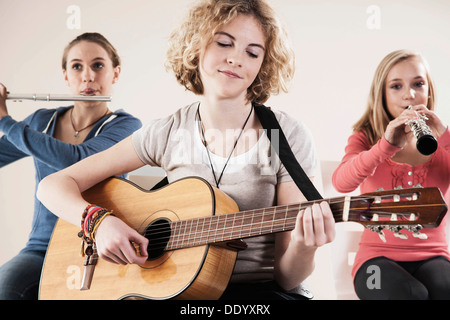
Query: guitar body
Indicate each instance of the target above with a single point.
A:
(194, 230)
(199, 272)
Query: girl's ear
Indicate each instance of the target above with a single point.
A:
(65, 76)
(117, 71)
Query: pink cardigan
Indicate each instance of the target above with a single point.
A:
(371, 168)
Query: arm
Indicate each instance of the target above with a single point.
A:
(295, 250)
(27, 138)
(360, 161)
(314, 227)
(444, 145)
(444, 140)
(61, 194)
(8, 152)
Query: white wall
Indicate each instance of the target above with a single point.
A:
(338, 45)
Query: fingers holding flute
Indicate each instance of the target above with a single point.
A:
(3, 109)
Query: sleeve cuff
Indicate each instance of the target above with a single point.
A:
(388, 148)
(444, 139)
(5, 123)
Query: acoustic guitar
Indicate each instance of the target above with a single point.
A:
(194, 231)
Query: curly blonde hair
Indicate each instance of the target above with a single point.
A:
(203, 20)
(376, 117)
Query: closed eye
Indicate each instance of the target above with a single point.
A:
(221, 44)
(252, 55)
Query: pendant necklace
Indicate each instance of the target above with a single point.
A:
(77, 132)
(207, 149)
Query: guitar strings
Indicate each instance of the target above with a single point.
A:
(250, 214)
(184, 237)
(269, 226)
(219, 225)
(256, 214)
(193, 239)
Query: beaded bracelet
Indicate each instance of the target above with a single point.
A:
(90, 220)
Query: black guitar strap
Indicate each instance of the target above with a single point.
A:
(270, 123)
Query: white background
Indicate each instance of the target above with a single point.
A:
(338, 45)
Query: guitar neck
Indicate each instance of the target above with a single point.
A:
(232, 226)
(395, 209)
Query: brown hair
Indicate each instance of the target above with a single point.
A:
(96, 38)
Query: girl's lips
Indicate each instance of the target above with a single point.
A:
(230, 74)
(88, 92)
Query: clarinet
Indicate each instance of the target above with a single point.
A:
(426, 144)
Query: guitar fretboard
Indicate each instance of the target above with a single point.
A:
(251, 223)
(244, 224)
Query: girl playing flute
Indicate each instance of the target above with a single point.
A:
(58, 138)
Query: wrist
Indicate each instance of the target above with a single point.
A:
(5, 123)
(388, 147)
(299, 247)
(440, 132)
(90, 221)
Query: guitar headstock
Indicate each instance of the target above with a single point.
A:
(411, 209)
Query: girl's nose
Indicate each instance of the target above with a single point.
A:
(409, 94)
(234, 59)
(88, 75)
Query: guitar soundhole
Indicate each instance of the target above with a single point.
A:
(158, 235)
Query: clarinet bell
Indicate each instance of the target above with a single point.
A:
(426, 144)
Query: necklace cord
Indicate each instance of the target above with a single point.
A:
(77, 132)
(207, 149)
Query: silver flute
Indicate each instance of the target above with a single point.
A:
(55, 97)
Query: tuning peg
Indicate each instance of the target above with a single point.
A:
(420, 235)
(381, 235)
(415, 229)
(379, 230)
(396, 230)
(400, 235)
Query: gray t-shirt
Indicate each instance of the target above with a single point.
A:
(174, 143)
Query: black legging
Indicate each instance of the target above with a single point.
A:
(382, 279)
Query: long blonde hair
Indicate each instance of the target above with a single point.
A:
(376, 118)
